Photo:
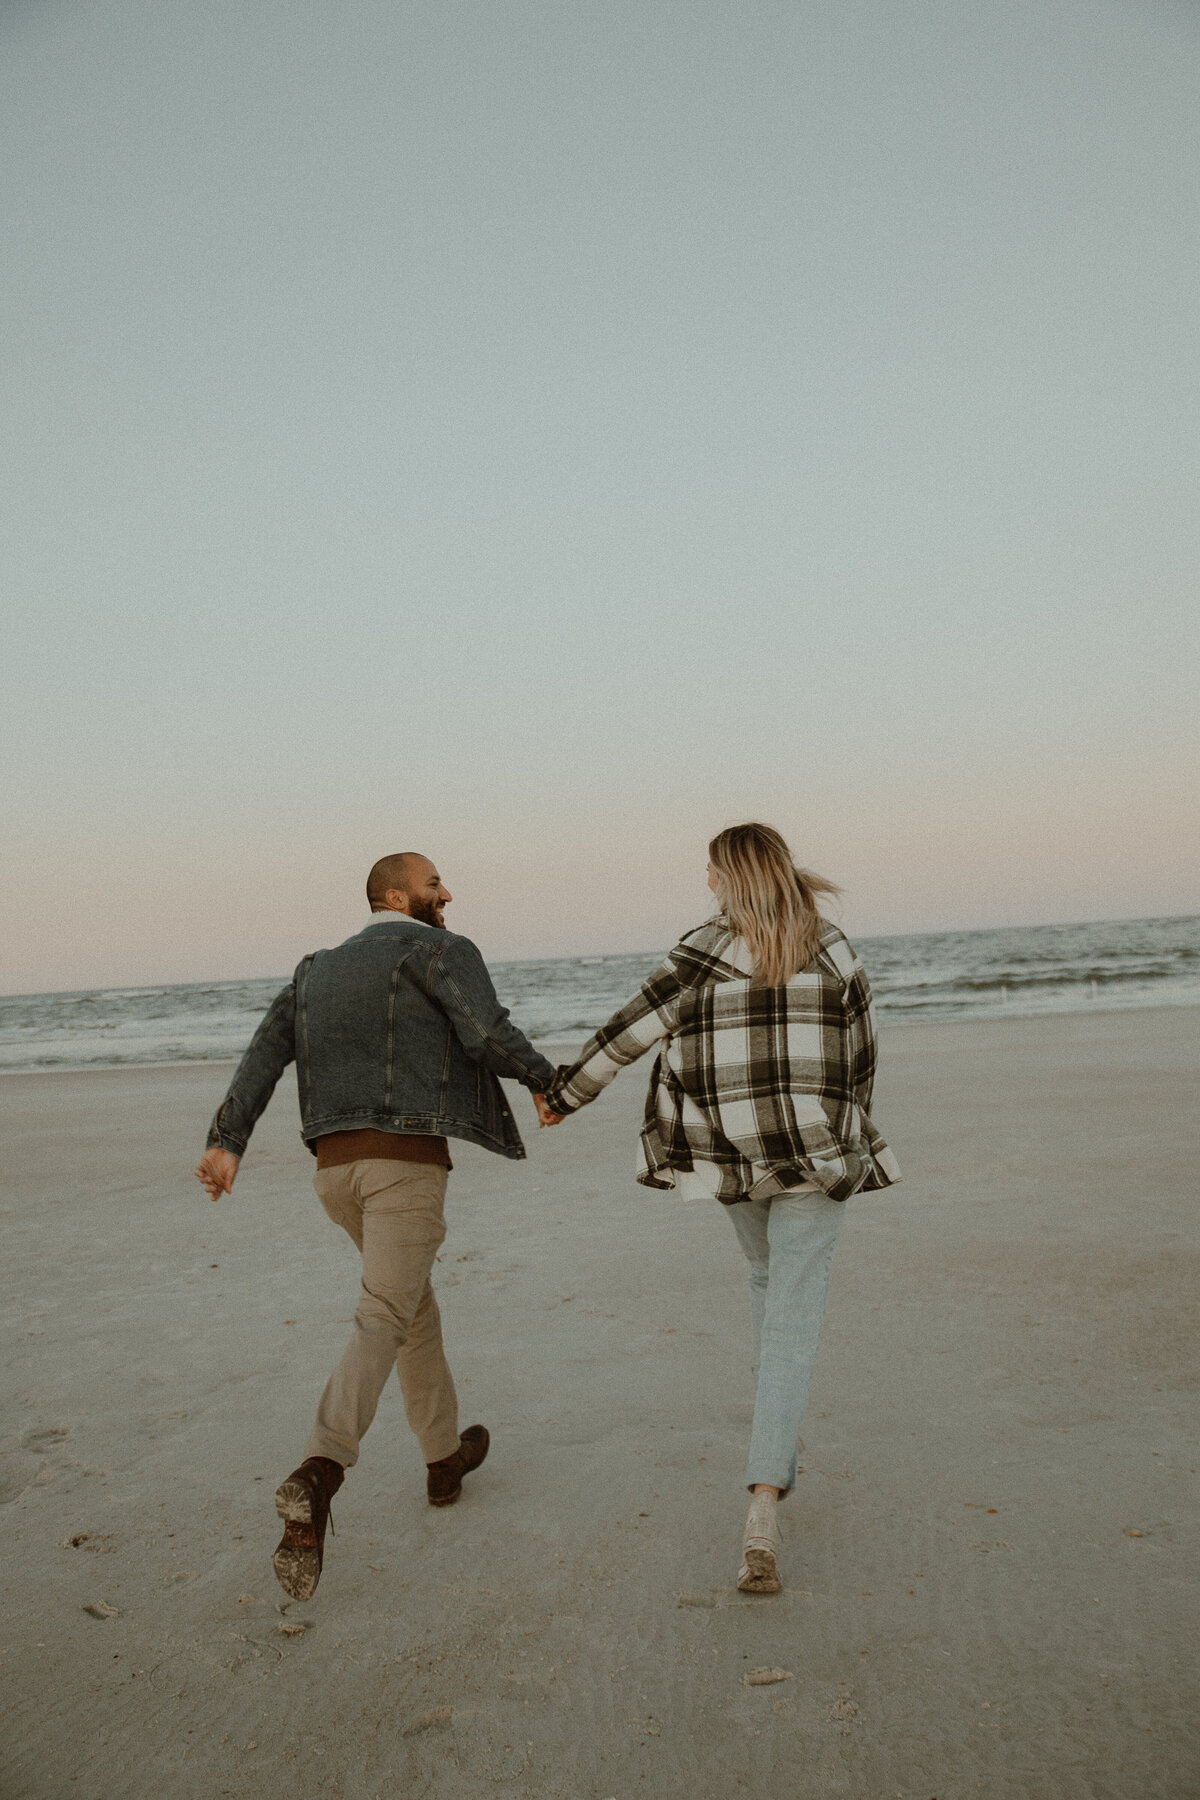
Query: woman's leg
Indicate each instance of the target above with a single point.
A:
(750, 1222)
(759, 1571)
(801, 1232)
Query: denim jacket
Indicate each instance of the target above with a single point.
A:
(398, 1029)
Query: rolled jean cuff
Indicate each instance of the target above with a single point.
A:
(783, 1480)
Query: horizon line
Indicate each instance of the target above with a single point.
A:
(603, 955)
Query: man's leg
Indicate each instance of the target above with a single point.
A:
(430, 1402)
(394, 1212)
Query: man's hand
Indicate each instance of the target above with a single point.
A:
(545, 1112)
(216, 1170)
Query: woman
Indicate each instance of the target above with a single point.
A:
(759, 1097)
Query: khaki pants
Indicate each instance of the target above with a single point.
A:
(394, 1213)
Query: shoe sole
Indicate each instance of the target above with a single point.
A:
(296, 1559)
(759, 1573)
(446, 1499)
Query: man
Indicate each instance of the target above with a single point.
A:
(398, 1039)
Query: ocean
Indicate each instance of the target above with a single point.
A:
(1011, 973)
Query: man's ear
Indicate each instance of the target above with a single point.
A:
(397, 900)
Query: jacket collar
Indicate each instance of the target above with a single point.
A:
(395, 918)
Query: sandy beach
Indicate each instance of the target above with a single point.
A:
(988, 1589)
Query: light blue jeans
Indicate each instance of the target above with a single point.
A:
(789, 1243)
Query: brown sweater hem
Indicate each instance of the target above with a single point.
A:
(337, 1148)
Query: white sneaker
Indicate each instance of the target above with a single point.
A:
(759, 1573)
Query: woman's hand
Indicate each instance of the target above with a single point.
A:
(546, 1113)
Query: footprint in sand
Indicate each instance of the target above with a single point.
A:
(48, 1438)
(432, 1720)
(20, 1468)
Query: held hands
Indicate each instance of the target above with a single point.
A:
(216, 1170)
(545, 1112)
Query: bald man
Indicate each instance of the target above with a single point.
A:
(398, 1039)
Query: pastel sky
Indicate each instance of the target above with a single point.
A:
(540, 434)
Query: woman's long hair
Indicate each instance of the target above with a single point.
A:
(767, 901)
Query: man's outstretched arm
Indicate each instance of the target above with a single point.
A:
(268, 1054)
(462, 986)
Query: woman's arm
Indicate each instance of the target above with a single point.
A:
(860, 1034)
(634, 1028)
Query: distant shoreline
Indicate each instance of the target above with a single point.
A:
(888, 1024)
(928, 980)
(598, 956)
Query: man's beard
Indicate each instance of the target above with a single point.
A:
(426, 912)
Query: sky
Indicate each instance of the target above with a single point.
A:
(542, 434)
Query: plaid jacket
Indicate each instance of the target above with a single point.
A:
(771, 1085)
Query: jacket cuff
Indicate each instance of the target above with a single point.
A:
(220, 1137)
(557, 1098)
(221, 1140)
(537, 1084)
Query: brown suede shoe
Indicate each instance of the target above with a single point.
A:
(444, 1483)
(302, 1502)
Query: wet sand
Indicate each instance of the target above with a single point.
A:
(989, 1564)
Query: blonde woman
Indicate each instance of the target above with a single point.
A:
(760, 1098)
